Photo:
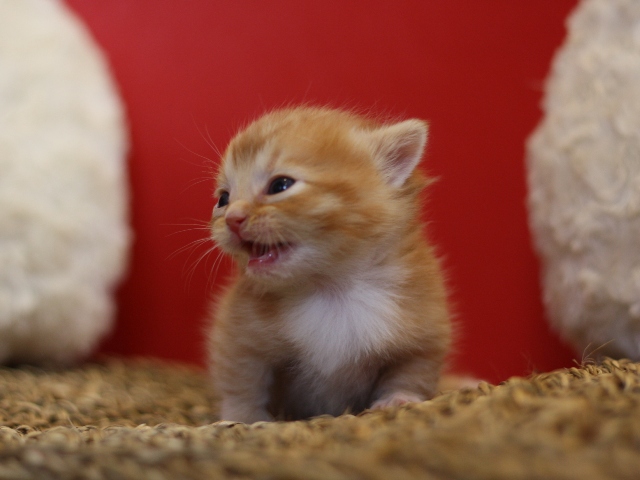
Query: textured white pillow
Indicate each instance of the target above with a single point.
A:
(584, 181)
(63, 194)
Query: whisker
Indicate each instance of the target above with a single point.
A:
(213, 273)
(211, 143)
(208, 140)
(191, 271)
(198, 225)
(210, 161)
(197, 221)
(193, 244)
(195, 182)
(192, 229)
(195, 225)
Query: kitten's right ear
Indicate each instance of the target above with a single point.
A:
(398, 148)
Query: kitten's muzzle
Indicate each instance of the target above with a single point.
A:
(235, 220)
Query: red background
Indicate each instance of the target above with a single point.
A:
(192, 70)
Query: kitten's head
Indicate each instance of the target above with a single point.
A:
(308, 192)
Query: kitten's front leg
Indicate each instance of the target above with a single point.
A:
(236, 409)
(413, 380)
(397, 398)
(244, 387)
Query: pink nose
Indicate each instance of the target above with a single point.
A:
(234, 220)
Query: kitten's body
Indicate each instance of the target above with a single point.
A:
(344, 307)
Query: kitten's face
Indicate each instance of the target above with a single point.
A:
(300, 194)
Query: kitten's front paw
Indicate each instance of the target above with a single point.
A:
(234, 412)
(396, 399)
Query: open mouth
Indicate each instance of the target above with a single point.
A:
(262, 255)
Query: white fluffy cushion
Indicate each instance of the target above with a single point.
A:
(584, 181)
(63, 196)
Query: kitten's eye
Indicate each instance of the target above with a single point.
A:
(223, 201)
(280, 184)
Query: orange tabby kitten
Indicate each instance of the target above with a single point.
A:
(339, 303)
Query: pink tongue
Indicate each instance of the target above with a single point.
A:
(263, 256)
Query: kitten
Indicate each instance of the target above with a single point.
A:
(339, 304)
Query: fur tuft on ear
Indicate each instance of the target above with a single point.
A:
(398, 149)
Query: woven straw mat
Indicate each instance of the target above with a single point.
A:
(147, 419)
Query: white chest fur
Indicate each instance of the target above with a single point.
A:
(337, 327)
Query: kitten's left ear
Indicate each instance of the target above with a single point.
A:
(398, 149)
